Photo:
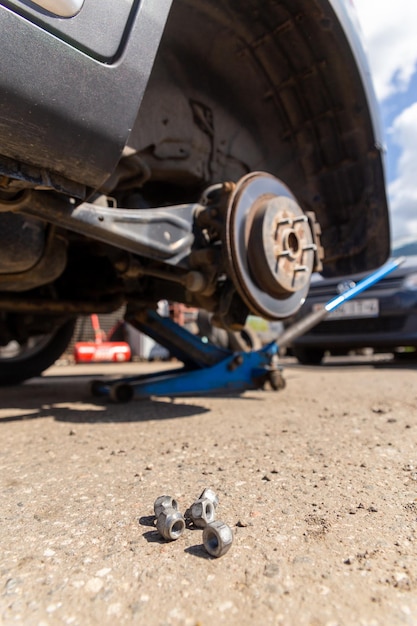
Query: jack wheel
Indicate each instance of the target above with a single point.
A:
(276, 380)
(121, 392)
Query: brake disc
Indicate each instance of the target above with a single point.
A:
(270, 246)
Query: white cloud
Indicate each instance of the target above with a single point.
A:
(389, 29)
(403, 191)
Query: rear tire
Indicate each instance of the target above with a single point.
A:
(22, 361)
(308, 356)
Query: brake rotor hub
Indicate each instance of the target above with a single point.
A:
(271, 246)
(280, 240)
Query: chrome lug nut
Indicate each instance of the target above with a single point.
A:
(209, 494)
(170, 524)
(202, 512)
(217, 538)
(164, 502)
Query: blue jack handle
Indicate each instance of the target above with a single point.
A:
(304, 325)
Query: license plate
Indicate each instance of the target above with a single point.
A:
(353, 308)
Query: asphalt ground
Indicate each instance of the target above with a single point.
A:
(318, 483)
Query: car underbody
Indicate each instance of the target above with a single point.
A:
(253, 161)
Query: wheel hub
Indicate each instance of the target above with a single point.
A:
(280, 241)
(270, 246)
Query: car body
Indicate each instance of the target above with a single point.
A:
(383, 317)
(210, 153)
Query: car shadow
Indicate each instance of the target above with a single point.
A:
(401, 363)
(376, 361)
(68, 398)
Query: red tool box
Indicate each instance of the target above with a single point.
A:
(101, 350)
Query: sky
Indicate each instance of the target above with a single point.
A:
(390, 33)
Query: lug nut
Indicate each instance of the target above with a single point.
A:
(164, 502)
(217, 538)
(202, 512)
(170, 524)
(209, 494)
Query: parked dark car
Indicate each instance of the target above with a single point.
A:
(383, 317)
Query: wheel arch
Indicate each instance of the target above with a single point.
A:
(241, 85)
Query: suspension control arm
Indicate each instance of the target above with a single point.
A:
(163, 234)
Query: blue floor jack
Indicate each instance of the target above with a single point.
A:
(210, 369)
